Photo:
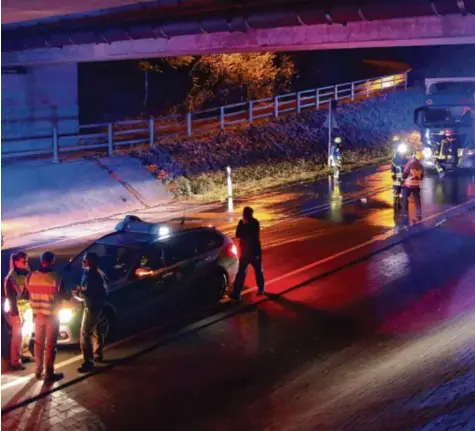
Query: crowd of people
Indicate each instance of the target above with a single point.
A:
(39, 293)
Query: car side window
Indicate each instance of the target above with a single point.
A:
(180, 249)
(208, 241)
(153, 258)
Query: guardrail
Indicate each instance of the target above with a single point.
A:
(112, 136)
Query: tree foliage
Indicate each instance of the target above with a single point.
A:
(213, 77)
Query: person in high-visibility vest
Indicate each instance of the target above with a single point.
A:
(335, 157)
(412, 179)
(46, 291)
(401, 150)
(17, 309)
(447, 146)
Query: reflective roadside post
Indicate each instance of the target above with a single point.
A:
(230, 189)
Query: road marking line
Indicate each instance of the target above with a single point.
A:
(246, 291)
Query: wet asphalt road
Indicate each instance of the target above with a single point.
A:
(249, 355)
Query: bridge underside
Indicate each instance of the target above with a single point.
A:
(430, 30)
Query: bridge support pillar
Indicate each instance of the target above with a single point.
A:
(34, 99)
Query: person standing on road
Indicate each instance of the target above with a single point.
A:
(397, 167)
(46, 291)
(16, 309)
(335, 157)
(93, 291)
(412, 178)
(248, 232)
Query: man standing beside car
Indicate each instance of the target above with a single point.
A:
(248, 232)
(18, 307)
(93, 291)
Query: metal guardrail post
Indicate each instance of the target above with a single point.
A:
(335, 92)
(276, 107)
(55, 145)
(368, 88)
(221, 117)
(317, 99)
(251, 106)
(299, 107)
(110, 139)
(405, 80)
(151, 131)
(352, 91)
(188, 123)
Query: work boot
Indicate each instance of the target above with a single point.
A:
(51, 378)
(86, 367)
(99, 359)
(27, 359)
(17, 367)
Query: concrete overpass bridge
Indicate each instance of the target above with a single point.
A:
(40, 56)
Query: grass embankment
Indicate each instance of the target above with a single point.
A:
(258, 178)
(281, 152)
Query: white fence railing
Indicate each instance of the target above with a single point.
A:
(112, 136)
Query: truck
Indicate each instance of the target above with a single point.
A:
(450, 104)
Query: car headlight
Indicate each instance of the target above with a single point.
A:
(7, 306)
(427, 153)
(27, 327)
(65, 315)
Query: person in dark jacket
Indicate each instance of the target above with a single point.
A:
(93, 291)
(16, 309)
(248, 232)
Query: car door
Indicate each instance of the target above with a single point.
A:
(150, 281)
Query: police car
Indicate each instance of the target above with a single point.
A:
(147, 265)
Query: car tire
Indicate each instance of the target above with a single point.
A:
(218, 284)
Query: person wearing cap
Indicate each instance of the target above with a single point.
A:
(412, 179)
(93, 291)
(397, 167)
(248, 232)
(46, 291)
(18, 306)
(335, 157)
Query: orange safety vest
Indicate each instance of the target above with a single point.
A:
(43, 288)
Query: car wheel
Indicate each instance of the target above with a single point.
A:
(218, 284)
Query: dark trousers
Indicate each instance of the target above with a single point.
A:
(92, 341)
(244, 262)
(408, 191)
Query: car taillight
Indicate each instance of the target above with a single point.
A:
(231, 251)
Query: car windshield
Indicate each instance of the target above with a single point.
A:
(115, 261)
(448, 116)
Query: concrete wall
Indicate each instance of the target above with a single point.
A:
(38, 195)
(32, 101)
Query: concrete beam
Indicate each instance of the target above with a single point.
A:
(430, 30)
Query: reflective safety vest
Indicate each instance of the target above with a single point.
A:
(43, 288)
(18, 283)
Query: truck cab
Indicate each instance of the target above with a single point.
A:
(449, 105)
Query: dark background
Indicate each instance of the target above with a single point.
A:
(115, 90)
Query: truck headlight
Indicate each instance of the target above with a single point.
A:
(65, 315)
(427, 153)
(7, 306)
